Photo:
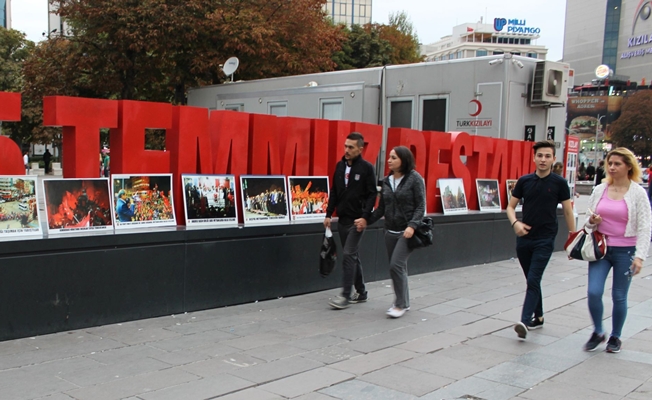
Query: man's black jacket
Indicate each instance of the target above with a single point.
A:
(356, 199)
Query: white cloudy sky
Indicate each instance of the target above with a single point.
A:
(432, 19)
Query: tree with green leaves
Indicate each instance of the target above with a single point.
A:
(633, 129)
(403, 38)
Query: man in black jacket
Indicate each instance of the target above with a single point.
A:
(353, 195)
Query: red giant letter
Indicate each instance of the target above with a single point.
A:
(128, 140)
(81, 120)
(12, 159)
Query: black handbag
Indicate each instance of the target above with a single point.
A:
(327, 254)
(422, 234)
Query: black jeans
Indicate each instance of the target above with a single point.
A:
(533, 256)
(351, 266)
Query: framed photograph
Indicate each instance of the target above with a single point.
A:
(488, 194)
(77, 204)
(264, 200)
(142, 201)
(210, 201)
(511, 184)
(453, 197)
(308, 197)
(19, 213)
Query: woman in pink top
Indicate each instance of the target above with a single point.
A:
(620, 209)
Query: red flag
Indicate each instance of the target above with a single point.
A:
(469, 29)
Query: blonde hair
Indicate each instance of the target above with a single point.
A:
(634, 173)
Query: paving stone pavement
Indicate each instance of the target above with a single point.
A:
(457, 342)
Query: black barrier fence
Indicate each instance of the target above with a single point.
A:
(66, 283)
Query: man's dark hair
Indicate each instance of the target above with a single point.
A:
(407, 158)
(357, 136)
(543, 144)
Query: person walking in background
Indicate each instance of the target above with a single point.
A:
(581, 172)
(403, 204)
(599, 173)
(106, 163)
(590, 172)
(618, 208)
(558, 168)
(26, 162)
(47, 156)
(353, 195)
(541, 191)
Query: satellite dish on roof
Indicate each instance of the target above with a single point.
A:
(230, 66)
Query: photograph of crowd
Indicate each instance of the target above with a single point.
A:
(210, 200)
(77, 204)
(308, 197)
(511, 184)
(488, 194)
(453, 197)
(264, 199)
(143, 199)
(18, 207)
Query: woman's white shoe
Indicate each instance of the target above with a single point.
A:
(396, 312)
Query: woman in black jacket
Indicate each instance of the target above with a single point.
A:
(403, 203)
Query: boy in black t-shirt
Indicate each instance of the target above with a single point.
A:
(541, 191)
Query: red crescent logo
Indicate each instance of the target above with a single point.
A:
(478, 106)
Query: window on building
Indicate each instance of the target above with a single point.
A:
(234, 107)
(533, 55)
(498, 53)
(516, 53)
(611, 28)
(480, 53)
(434, 113)
(511, 40)
(280, 109)
(331, 109)
(400, 114)
(460, 54)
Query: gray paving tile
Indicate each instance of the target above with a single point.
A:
(562, 390)
(275, 352)
(431, 343)
(387, 339)
(547, 361)
(317, 341)
(373, 361)
(406, 380)
(199, 390)
(251, 394)
(515, 374)
(136, 385)
(331, 355)
(61, 396)
(475, 355)
(223, 364)
(440, 365)
(479, 328)
(190, 341)
(359, 390)
(309, 381)
(461, 389)
(267, 372)
(503, 345)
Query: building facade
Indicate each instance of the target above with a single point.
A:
(349, 12)
(479, 39)
(616, 33)
(56, 24)
(5, 13)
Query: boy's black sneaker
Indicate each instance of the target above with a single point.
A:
(535, 323)
(613, 345)
(358, 297)
(594, 342)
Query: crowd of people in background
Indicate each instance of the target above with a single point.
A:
(270, 203)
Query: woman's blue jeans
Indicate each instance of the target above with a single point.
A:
(620, 258)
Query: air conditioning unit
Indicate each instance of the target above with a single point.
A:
(550, 84)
